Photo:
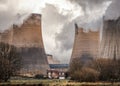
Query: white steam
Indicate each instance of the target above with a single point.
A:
(93, 11)
(13, 11)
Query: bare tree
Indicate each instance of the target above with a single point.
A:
(10, 61)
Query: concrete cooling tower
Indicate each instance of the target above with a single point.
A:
(28, 40)
(110, 43)
(86, 44)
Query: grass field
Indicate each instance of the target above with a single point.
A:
(35, 82)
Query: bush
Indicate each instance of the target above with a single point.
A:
(85, 75)
(109, 69)
(39, 76)
(89, 74)
(82, 70)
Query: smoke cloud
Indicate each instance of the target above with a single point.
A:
(13, 12)
(93, 11)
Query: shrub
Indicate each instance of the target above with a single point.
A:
(109, 69)
(39, 76)
(85, 75)
(89, 74)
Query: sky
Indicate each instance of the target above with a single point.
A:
(58, 19)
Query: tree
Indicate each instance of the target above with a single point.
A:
(10, 61)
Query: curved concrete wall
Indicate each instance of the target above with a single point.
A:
(28, 40)
(110, 43)
(86, 44)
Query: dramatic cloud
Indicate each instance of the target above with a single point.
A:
(6, 16)
(93, 11)
(65, 37)
(53, 23)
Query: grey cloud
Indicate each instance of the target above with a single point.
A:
(64, 39)
(3, 1)
(91, 4)
(6, 15)
(93, 13)
(9, 14)
(53, 22)
(51, 19)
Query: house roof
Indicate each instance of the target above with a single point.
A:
(55, 66)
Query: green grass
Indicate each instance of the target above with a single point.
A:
(55, 83)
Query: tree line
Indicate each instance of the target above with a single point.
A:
(100, 69)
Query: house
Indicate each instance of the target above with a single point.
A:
(57, 71)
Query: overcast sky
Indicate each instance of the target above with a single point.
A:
(58, 18)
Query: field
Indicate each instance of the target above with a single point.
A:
(36, 82)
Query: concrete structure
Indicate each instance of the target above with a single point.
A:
(28, 40)
(110, 43)
(86, 44)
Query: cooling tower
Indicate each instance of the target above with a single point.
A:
(86, 44)
(110, 43)
(28, 40)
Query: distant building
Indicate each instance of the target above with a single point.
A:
(57, 71)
